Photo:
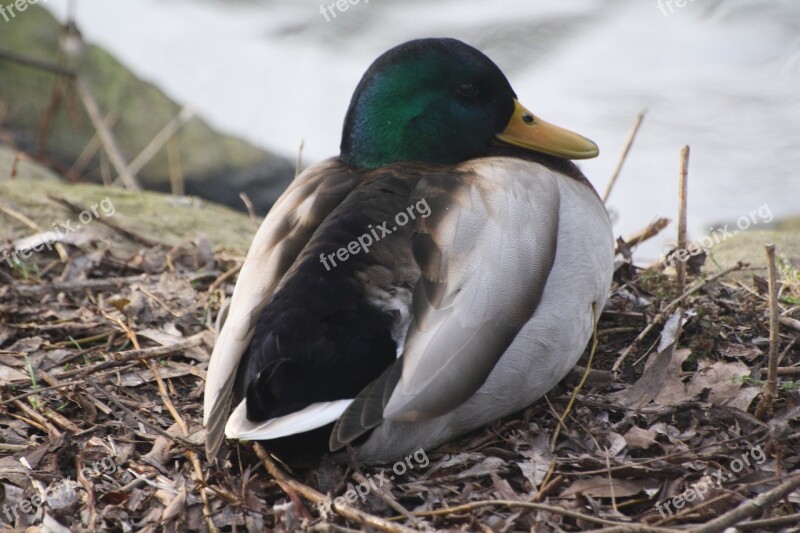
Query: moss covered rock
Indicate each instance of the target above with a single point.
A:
(160, 217)
(214, 166)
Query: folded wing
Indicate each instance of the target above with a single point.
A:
(485, 253)
(284, 233)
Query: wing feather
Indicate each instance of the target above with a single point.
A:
(484, 265)
(282, 236)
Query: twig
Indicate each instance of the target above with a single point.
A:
(201, 482)
(19, 156)
(106, 137)
(122, 358)
(624, 156)
(637, 528)
(689, 513)
(60, 88)
(224, 277)
(671, 456)
(176, 183)
(34, 422)
(20, 216)
(541, 507)
(750, 507)
(666, 311)
(81, 285)
(649, 232)
(90, 150)
(766, 523)
(682, 217)
(771, 386)
(40, 420)
(62, 252)
(40, 390)
(90, 499)
(167, 401)
(105, 170)
(37, 63)
(351, 513)
(299, 158)
(60, 420)
(545, 488)
(387, 498)
(166, 133)
(130, 234)
(790, 322)
(249, 205)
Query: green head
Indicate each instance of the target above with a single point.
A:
(442, 101)
(428, 100)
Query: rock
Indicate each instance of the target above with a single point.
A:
(215, 166)
(161, 217)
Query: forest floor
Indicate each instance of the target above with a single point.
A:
(102, 367)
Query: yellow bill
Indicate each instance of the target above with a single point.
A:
(528, 131)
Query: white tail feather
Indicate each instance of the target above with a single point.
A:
(314, 416)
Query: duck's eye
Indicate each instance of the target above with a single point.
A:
(467, 90)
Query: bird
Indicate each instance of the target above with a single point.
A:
(444, 271)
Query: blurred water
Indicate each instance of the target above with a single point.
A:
(722, 76)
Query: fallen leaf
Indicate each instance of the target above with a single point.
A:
(718, 377)
(539, 460)
(8, 374)
(175, 507)
(601, 487)
(740, 351)
(616, 443)
(660, 381)
(640, 439)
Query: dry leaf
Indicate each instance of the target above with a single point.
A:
(640, 439)
(740, 351)
(539, 460)
(660, 381)
(601, 487)
(8, 374)
(175, 507)
(718, 376)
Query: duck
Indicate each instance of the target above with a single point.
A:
(443, 272)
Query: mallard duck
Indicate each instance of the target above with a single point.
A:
(438, 275)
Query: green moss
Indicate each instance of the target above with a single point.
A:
(161, 217)
(748, 247)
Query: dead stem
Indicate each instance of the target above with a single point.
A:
(346, 511)
(628, 143)
(770, 391)
(682, 219)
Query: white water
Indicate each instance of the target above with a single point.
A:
(721, 76)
